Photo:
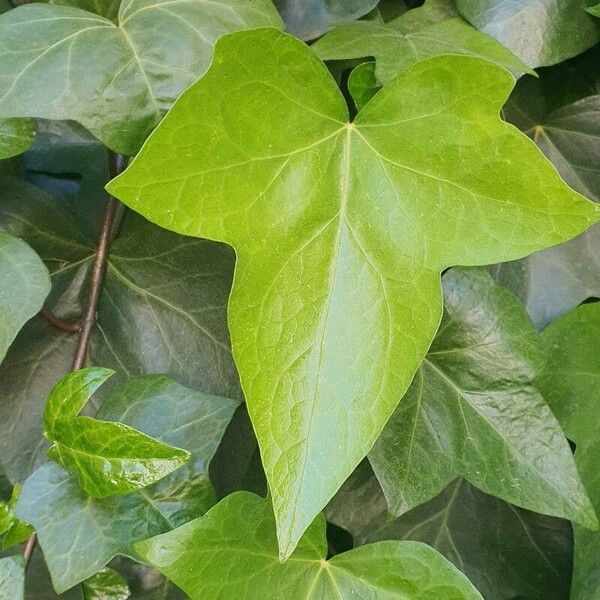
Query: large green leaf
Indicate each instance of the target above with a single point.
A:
(570, 382)
(560, 111)
(12, 578)
(408, 39)
(541, 32)
(25, 285)
(16, 135)
(505, 551)
(473, 411)
(341, 230)
(232, 552)
(108, 458)
(162, 308)
(157, 50)
(78, 534)
(308, 19)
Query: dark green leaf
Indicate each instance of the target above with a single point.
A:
(473, 411)
(570, 382)
(25, 285)
(79, 535)
(541, 32)
(104, 8)
(12, 578)
(105, 585)
(155, 52)
(408, 39)
(232, 552)
(362, 84)
(341, 231)
(505, 551)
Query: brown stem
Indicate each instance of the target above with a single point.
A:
(110, 224)
(59, 323)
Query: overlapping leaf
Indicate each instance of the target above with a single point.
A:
(155, 52)
(104, 8)
(79, 535)
(24, 286)
(413, 36)
(108, 458)
(16, 135)
(541, 32)
(12, 531)
(341, 230)
(473, 411)
(105, 585)
(12, 578)
(505, 551)
(232, 552)
(162, 308)
(570, 382)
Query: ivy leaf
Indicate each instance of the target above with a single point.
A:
(80, 535)
(473, 412)
(163, 306)
(341, 231)
(12, 578)
(108, 458)
(505, 551)
(570, 382)
(25, 285)
(12, 531)
(562, 28)
(308, 19)
(105, 585)
(406, 40)
(154, 53)
(16, 135)
(236, 545)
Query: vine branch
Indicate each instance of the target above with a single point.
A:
(110, 225)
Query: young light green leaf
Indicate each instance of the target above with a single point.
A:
(594, 10)
(570, 382)
(25, 285)
(232, 552)
(400, 43)
(155, 52)
(473, 411)
(16, 135)
(541, 32)
(65, 518)
(105, 585)
(308, 19)
(12, 530)
(362, 84)
(506, 552)
(341, 231)
(12, 578)
(108, 458)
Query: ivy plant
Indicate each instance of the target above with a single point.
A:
(297, 299)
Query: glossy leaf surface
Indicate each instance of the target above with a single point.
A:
(155, 52)
(108, 458)
(12, 578)
(473, 411)
(105, 585)
(232, 551)
(570, 383)
(405, 41)
(24, 286)
(541, 32)
(64, 516)
(505, 551)
(341, 230)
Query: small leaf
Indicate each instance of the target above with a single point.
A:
(155, 52)
(105, 585)
(341, 231)
(562, 28)
(406, 40)
(12, 578)
(25, 285)
(570, 382)
(473, 411)
(12, 531)
(16, 135)
(308, 19)
(108, 458)
(594, 10)
(63, 515)
(362, 84)
(236, 545)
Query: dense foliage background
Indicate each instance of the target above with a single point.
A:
(333, 333)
